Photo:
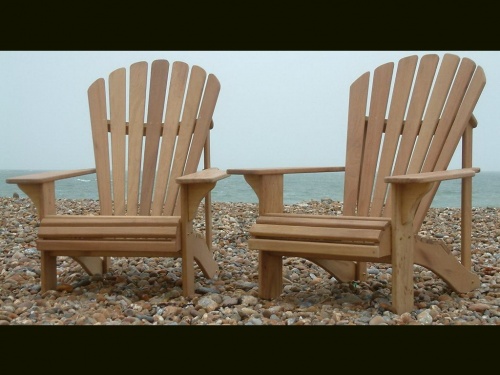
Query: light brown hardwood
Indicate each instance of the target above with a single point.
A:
(405, 122)
(147, 154)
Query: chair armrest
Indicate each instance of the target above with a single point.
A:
(40, 187)
(290, 170)
(43, 177)
(194, 187)
(267, 183)
(432, 176)
(210, 175)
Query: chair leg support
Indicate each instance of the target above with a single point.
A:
(342, 270)
(270, 275)
(402, 275)
(48, 273)
(92, 265)
(192, 246)
(187, 272)
(195, 249)
(436, 257)
(203, 255)
(361, 271)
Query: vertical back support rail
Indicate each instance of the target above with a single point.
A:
(466, 219)
(208, 197)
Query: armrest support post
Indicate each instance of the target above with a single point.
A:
(43, 196)
(269, 190)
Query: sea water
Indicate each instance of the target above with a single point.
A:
(297, 188)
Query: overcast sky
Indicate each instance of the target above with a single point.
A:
(275, 108)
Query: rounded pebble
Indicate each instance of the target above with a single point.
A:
(148, 291)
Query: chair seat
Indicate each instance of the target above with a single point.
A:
(109, 235)
(323, 236)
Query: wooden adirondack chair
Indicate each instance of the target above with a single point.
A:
(394, 164)
(141, 164)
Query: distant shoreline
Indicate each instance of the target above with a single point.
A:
(298, 189)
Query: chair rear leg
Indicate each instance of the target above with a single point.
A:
(436, 257)
(48, 273)
(270, 275)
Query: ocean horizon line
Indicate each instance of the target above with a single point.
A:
(298, 188)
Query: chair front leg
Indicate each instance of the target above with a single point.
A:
(405, 199)
(191, 197)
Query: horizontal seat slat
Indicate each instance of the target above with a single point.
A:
(108, 231)
(322, 250)
(316, 216)
(102, 221)
(107, 248)
(315, 233)
(324, 221)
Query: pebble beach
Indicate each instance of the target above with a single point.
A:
(148, 291)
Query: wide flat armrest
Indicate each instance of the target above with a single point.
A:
(39, 178)
(40, 187)
(432, 176)
(195, 186)
(209, 175)
(290, 170)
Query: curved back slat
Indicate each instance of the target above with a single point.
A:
(117, 109)
(157, 93)
(99, 123)
(201, 131)
(186, 127)
(415, 113)
(468, 101)
(137, 108)
(448, 118)
(374, 130)
(442, 86)
(138, 162)
(358, 97)
(173, 111)
(429, 110)
(419, 97)
(401, 95)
